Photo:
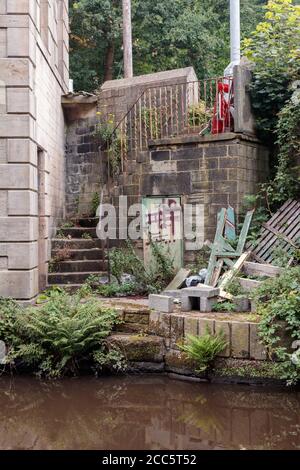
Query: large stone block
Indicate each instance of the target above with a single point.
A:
(177, 331)
(22, 285)
(240, 340)
(16, 72)
(160, 324)
(224, 327)
(18, 229)
(21, 43)
(190, 326)
(20, 255)
(257, 350)
(140, 348)
(21, 100)
(17, 125)
(22, 203)
(206, 325)
(161, 303)
(18, 177)
(166, 184)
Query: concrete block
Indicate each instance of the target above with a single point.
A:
(176, 294)
(161, 303)
(21, 285)
(240, 340)
(190, 326)
(242, 304)
(20, 255)
(201, 291)
(257, 350)
(206, 305)
(186, 304)
(224, 327)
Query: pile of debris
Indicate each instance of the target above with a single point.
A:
(233, 261)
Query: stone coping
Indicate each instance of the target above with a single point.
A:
(187, 139)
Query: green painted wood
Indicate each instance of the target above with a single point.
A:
(230, 229)
(244, 233)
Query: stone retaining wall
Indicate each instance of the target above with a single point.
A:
(151, 340)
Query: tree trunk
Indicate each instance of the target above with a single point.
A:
(109, 62)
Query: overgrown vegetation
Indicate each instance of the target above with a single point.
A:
(274, 50)
(60, 336)
(168, 34)
(129, 274)
(204, 349)
(278, 304)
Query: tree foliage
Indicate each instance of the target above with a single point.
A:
(274, 50)
(167, 34)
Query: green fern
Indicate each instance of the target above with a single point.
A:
(204, 349)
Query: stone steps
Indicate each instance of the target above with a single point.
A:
(80, 266)
(76, 243)
(72, 278)
(78, 256)
(79, 232)
(86, 222)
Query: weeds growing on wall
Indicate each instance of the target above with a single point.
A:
(278, 304)
(56, 338)
(204, 349)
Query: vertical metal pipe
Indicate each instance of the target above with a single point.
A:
(235, 31)
(127, 39)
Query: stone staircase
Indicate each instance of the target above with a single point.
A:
(76, 255)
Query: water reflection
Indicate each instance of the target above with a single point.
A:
(145, 413)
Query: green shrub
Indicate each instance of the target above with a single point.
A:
(95, 204)
(226, 306)
(55, 338)
(204, 349)
(147, 279)
(278, 304)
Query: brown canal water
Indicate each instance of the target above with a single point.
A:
(145, 412)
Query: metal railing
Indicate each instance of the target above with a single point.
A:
(202, 107)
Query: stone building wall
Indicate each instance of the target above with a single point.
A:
(83, 168)
(33, 77)
(116, 97)
(215, 171)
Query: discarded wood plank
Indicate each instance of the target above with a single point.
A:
(217, 241)
(235, 269)
(279, 235)
(230, 229)
(244, 232)
(258, 269)
(179, 279)
(217, 273)
(282, 230)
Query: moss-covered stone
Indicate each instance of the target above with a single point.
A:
(178, 362)
(139, 348)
